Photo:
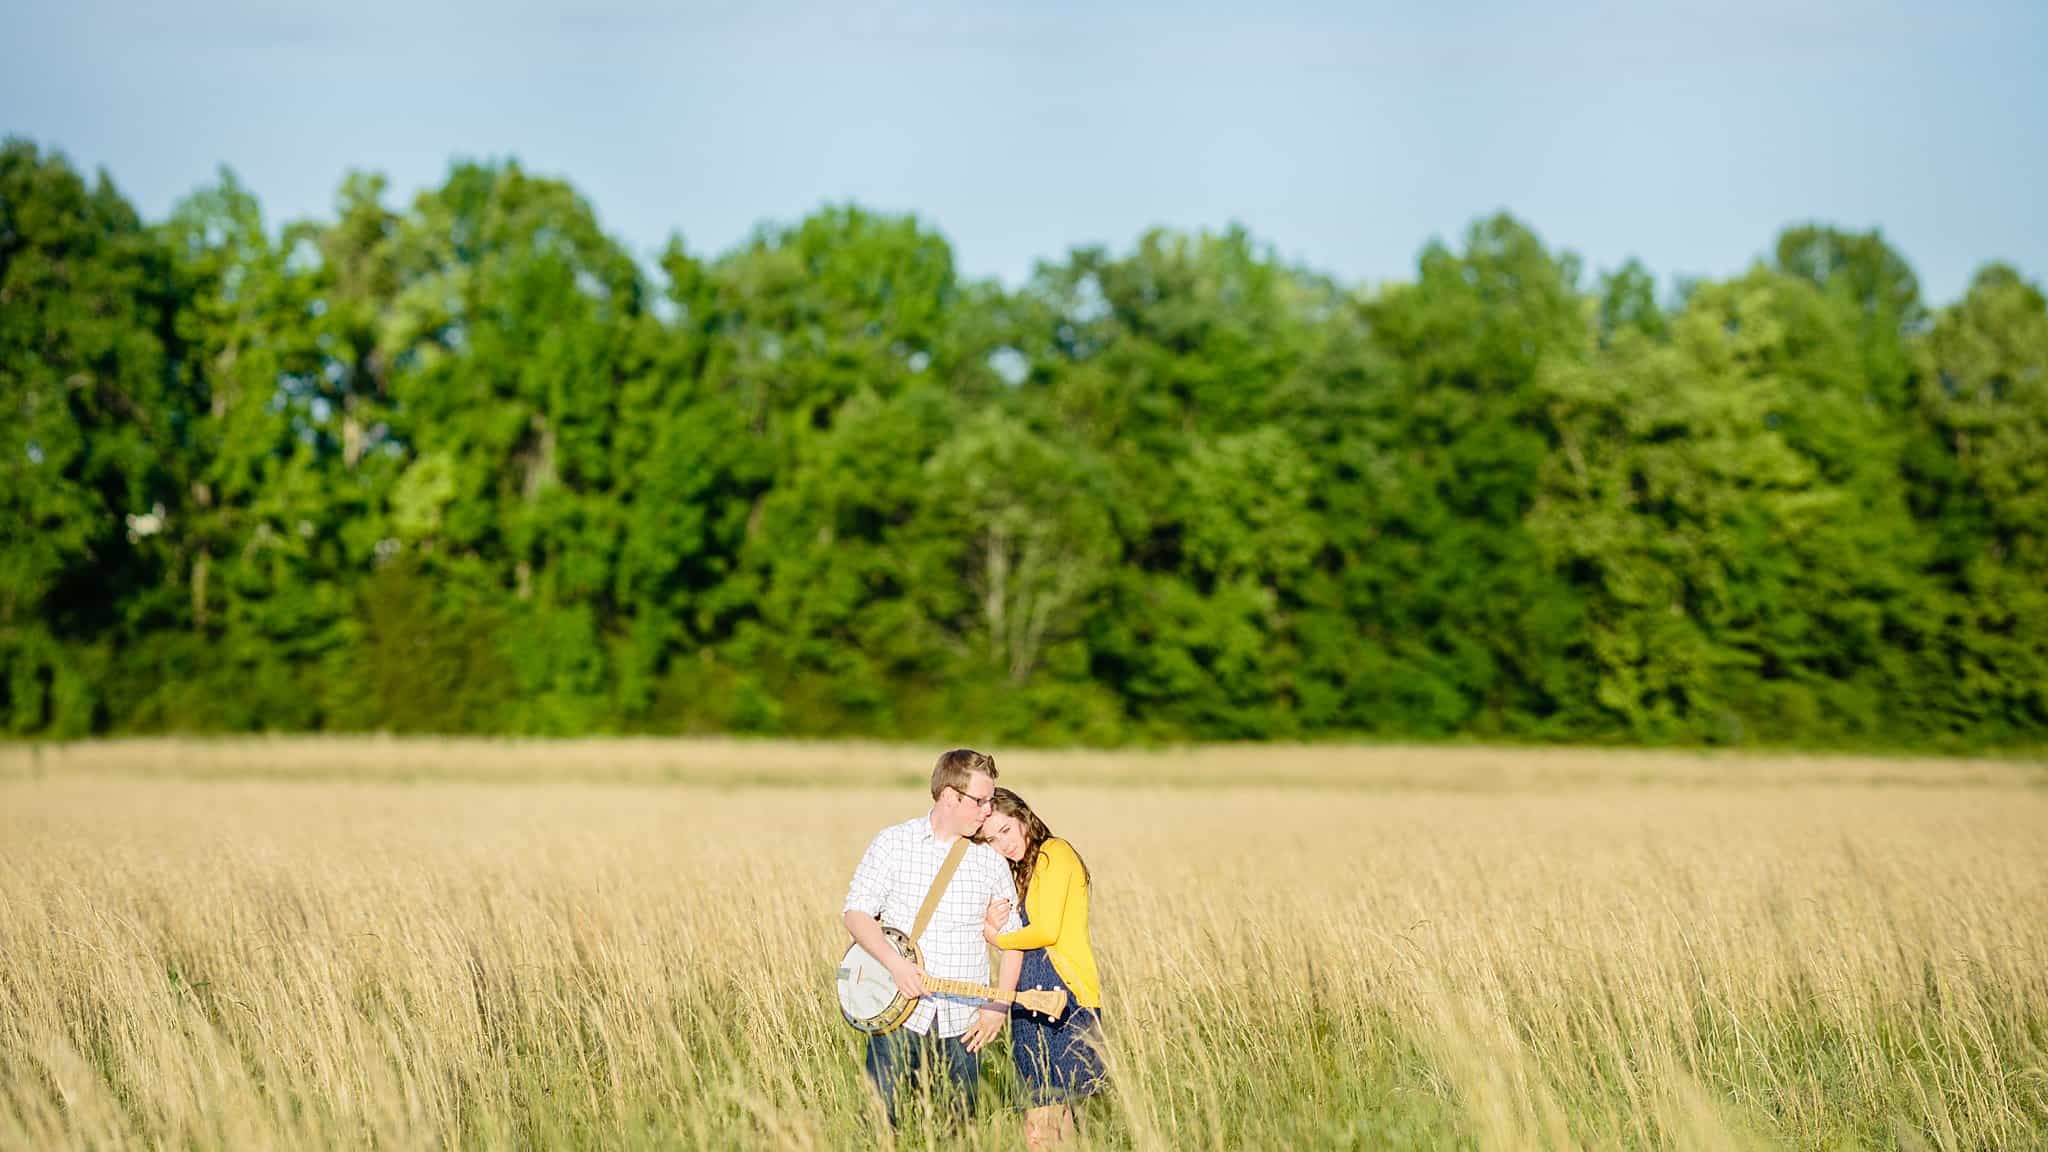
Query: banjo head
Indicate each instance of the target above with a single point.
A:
(867, 993)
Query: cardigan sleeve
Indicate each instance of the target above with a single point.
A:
(1047, 900)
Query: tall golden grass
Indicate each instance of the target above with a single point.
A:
(413, 945)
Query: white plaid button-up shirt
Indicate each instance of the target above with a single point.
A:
(894, 874)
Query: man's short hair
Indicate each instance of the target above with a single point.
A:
(955, 767)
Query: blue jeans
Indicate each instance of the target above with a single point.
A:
(900, 1059)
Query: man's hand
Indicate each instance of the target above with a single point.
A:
(988, 1024)
(992, 922)
(909, 978)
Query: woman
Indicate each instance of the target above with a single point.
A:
(1058, 1061)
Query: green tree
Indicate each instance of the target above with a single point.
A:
(463, 465)
(514, 327)
(1741, 570)
(1981, 477)
(833, 341)
(1021, 537)
(256, 580)
(1471, 620)
(88, 430)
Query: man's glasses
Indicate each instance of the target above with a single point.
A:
(985, 803)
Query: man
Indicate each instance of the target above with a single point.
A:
(944, 1036)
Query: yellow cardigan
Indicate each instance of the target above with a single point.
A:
(1058, 907)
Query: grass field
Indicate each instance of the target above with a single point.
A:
(406, 945)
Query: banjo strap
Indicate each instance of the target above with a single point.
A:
(938, 888)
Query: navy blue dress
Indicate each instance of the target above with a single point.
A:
(1058, 1061)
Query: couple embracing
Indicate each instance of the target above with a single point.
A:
(1012, 886)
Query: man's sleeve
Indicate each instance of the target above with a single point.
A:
(869, 891)
(1006, 889)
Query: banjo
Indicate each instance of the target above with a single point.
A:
(870, 1002)
(867, 992)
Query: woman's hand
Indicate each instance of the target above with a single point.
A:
(992, 922)
(988, 1024)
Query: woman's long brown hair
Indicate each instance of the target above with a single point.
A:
(1035, 835)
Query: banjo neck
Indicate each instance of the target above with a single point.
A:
(870, 1001)
(1049, 1001)
(945, 987)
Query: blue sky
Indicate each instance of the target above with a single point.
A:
(1346, 136)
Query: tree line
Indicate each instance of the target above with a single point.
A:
(468, 466)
